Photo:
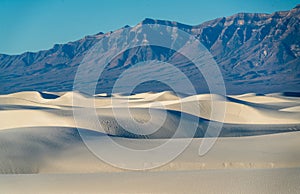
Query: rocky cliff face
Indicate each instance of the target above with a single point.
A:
(255, 52)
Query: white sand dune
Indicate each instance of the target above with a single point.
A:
(61, 150)
(30, 109)
(291, 109)
(38, 135)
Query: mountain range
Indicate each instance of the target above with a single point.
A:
(256, 52)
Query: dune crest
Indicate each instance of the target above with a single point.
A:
(41, 125)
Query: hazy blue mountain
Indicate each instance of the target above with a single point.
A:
(255, 52)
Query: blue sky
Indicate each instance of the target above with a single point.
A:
(34, 25)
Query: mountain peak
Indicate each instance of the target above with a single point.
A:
(148, 21)
(167, 23)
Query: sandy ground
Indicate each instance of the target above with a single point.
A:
(204, 181)
(257, 151)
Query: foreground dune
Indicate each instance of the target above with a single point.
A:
(61, 150)
(259, 140)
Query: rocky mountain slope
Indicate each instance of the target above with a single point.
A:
(255, 52)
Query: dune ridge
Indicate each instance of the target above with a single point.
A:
(39, 134)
